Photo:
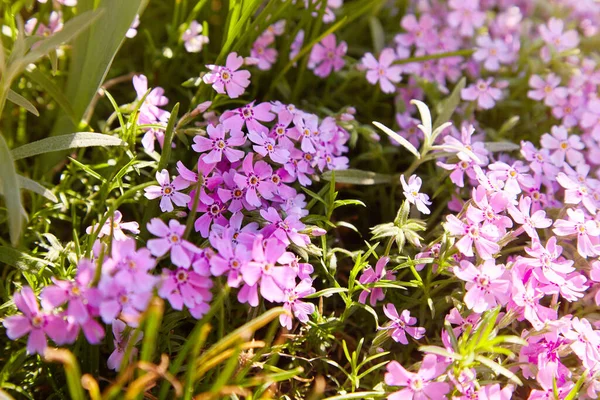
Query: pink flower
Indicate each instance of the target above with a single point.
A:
(121, 342)
(528, 222)
(167, 191)
(35, 322)
(418, 386)
(585, 231)
(383, 70)
(548, 266)
(546, 378)
(483, 91)
(372, 276)
(203, 174)
(411, 192)
(590, 118)
(514, 176)
(527, 297)
(563, 146)
(266, 56)
(486, 285)
(266, 146)
(171, 239)
(183, 287)
(466, 15)
(273, 279)
(296, 45)
(115, 226)
(218, 145)
(577, 191)
(326, 56)
(492, 52)
(228, 78)
(421, 33)
(547, 89)
(255, 180)
(250, 115)
(192, 38)
(285, 230)
(401, 324)
(554, 37)
(230, 259)
(483, 236)
(302, 310)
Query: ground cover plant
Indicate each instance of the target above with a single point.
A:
(300, 199)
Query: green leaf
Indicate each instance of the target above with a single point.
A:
(448, 105)
(20, 260)
(494, 147)
(70, 30)
(93, 53)
(405, 143)
(440, 351)
(326, 293)
(9, 182)
(21, 101)
(498, 369)
(357, 395)
(65, 142)
(35, 187)
(377, 33)
(40, 78)
(358, 177)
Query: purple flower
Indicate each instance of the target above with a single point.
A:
(492, 53)
(486, 286)
(483, 236)
(526, 296)
(577, 191)
(121, 342)
(183, 287)
(326, 56)
(576, 224)
(483, 91)
(212, 213)
(528, 222)
(255, 180)
(547, 89)
(218, 145)
(383, 71)
(466, 16)
(411, 192)
(266, 56)
(250, 115)
(35, 322)
(266, 146)
(272, 278)
(548, 266)
(129, 265)
(116, 226)
(285, 230)
(564, 146)
(125, 299)
(228, 78)
(401, 324)
(296, 45)
(230, 259)
(370, 276)
(556, 39)
(418, 386)
(170, 239)
(192, 38)
(421, 33)
(207, 181)
(302, 310)
(167, 191)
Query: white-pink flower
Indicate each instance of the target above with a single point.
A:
(411, 192)
(383, 71)
(168, 191)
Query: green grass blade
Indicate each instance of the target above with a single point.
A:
(21, 101)
(9, 182)
(65, 142)
(35, 187)
(40, 78)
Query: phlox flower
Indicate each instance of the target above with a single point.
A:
(576, 224)
(285, 230)
(418, 386)
(296, 45)
(546, 378)
(129, 266)
(150, 111)
(125, 299)
(326, 56)
(466, 16)
(372, 276)
(454, 317)
(229, 259)
(547, 89)
(269, 269)
(529, 222)
(590, 119)
(254, 180)
(466, 149)
(570, 111)
(35, 322)
(564, 146)
(183, 287)
(266, 56)
(548, 266)
(229, 78)
(420, 33)
(514, 176)
(483, 236)
(527, 297)
(301, 309)
(595, 277)
(167, 191)
(218, 145)
(170, 239)
(483, 92)
(266, 146)
(408, 129)
(459, 169)
(121, 342)
(193, 40)
(208, 180)
(411, 192)
(211, 214)
(577, 191)
(55, 24)
(486, 285)
(235, 232)
(115, 226)
(250, 115)
(555, 38)
(382, 70)
(539, 162)
(492, 52)
(401, 324)
(489, 209)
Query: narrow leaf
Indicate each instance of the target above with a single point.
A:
(495, 147)
(40, 78)
(405, 143)
(9, 183)
(65, 142)
(498, 369)
(449, 104)
(358, 177)
(35, 187)
(21, 101)
(326, 293)
(20, 260)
